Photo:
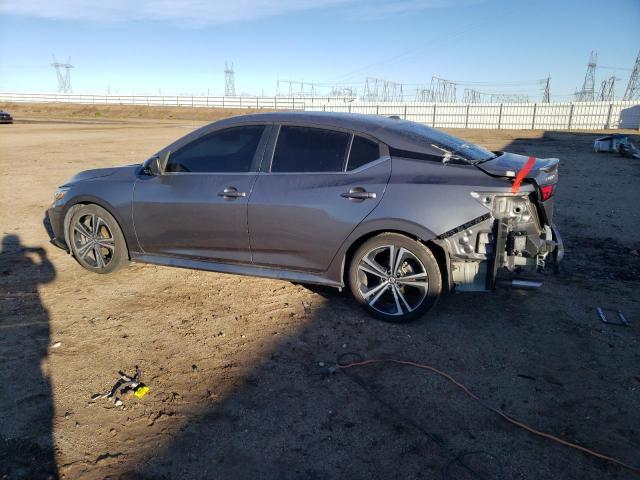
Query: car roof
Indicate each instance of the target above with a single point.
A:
(386, 129)
(335, 119)
(392, 131)
(349, 121)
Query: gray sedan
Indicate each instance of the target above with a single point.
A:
(396, 211)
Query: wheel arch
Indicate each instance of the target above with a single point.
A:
(436, 248)
(78, 202)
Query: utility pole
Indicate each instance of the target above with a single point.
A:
(63, 72)
(229, 81)
(632, 91)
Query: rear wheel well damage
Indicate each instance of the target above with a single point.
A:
(437, 250)
(69, 213)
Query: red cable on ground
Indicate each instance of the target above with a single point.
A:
(515, 187)
(509, 419)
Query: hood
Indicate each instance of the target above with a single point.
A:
(99, 173)
(543, 171)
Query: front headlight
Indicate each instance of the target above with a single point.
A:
(60, 193)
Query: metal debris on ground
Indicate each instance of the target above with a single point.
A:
(629, 150)
(622, 319)
(616, 143)
(127, 383)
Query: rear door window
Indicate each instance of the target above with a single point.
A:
(229, 150)
(363, 151)
(308, 149)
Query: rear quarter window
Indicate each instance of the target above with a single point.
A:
(363, 151)
(416, 134)
(309, 149)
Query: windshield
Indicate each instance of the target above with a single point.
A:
(418, 133)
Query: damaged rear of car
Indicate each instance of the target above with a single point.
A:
(516, 238)
(490, 214)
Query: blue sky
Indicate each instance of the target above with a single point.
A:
(175, 47)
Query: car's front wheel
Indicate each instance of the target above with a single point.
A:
(395, 278)
(96, 239)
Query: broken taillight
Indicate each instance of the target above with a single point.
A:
(546, 191)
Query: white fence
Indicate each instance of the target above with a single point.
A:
(548, 116)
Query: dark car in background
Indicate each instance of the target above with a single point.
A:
(5, 117)
(395, 210)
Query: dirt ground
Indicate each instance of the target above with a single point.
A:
(232, 363)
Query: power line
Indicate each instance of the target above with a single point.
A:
(293, 88)
(432, 42)
(514, 83)
(605, 67)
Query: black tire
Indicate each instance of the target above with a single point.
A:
(413, 283)
(104, 238)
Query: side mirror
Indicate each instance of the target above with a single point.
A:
(155, 165)
(151, 166)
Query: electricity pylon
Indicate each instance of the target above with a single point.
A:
(229, 81)
(63, 72)
(633, 87)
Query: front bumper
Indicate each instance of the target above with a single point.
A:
(54, 225)
(6, 120)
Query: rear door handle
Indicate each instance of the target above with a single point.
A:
(231, 192)
(358, 193)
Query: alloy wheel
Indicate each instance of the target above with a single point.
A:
(392, 280)
(93, 241)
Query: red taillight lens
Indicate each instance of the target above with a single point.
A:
(546, 191)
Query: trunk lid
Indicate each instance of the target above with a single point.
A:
(542, 172)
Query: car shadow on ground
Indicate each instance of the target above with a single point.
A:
(26, 443)
(295, 416)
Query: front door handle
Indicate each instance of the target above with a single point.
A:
(358, 193)
(231, 192)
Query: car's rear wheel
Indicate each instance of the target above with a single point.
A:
(395, 278)
(96, 239)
